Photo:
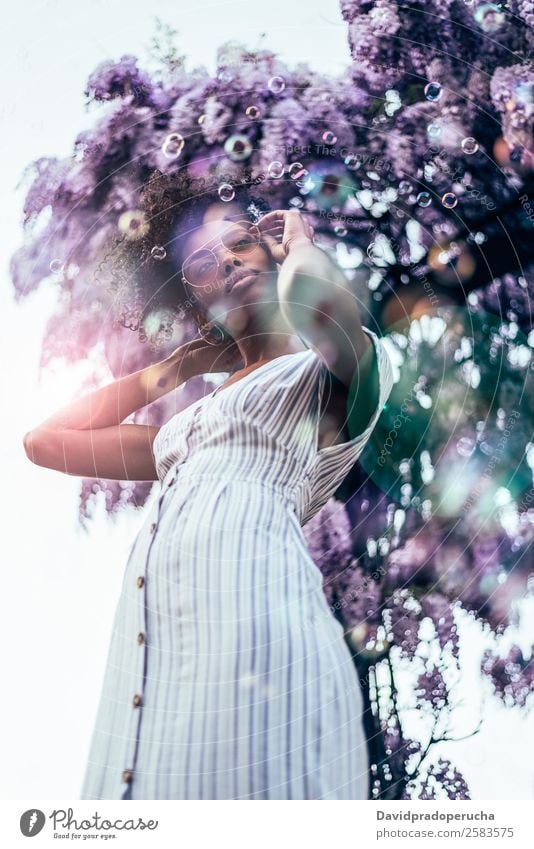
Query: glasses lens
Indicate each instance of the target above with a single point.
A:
(241, 237)
(200, 268)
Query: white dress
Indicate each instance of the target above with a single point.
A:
(228, 676)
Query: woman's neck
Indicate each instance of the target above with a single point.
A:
(273, 339)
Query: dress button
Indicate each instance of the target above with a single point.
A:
(140, 581)
(137, 700)
(127, 775)
(141, 638)
(153, 527)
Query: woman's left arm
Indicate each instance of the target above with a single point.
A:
(315, 298)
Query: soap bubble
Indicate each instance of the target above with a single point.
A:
(56, 266)
(275, 169)
(173, 146)
(433, 130)
(449, 200)
(328, 137)
(469, 145)
(226, 192)
(277, 85)
(424, 199)
(404, 187)
(352, 161)
(158, 252)
(433, 91)
(297, 171)
(238, 147)
(489, 17)
(252, 112)
(133, 224)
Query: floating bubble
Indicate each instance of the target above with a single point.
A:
(133, 224)
(277, 85)
(296, 202)
(489, 17)
(56, 266)
(340, 230)
(352, 161)
(433, 130)
(297, 171)
(329, 137)
(404, 187)
(238, 147)
(303, 180)
(252, 112)
(424, 199)
(226, 192)
(433, 91)
(275, 169)
(201, 119)
(449, 200)
(469, 145)
(158, 252)
(173, 146)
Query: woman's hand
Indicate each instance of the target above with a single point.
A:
(199, 357)
(283, 230)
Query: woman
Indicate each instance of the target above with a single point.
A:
(227, 675)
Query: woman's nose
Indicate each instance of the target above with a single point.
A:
(229, 263)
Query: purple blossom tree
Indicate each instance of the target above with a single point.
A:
(417, 168)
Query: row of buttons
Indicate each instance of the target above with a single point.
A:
(127, 775)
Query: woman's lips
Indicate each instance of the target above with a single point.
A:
(242, 281)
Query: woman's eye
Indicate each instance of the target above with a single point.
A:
(242, 243)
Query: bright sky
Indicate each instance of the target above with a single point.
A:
(61, 585)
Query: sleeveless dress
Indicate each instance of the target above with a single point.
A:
(227, 676)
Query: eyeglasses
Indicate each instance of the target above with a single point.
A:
(202, 266)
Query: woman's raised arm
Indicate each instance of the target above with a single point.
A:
(112, 403)
(85, 438)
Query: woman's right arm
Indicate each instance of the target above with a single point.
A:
(86, 438)
(117, 452)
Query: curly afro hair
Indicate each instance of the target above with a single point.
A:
(146, 261)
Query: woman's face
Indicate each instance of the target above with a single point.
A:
(225, 264)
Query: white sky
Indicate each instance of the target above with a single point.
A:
(60, 585)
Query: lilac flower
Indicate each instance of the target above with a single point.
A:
(328, 538)
(359, 599)
(120, 79)
(439, 610)
(512, 676)
(403, 620)
(431, 688)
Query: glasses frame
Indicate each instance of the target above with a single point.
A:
(250, 226)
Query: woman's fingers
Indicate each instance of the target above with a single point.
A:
(280, 228)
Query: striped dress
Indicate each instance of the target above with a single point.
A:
(227, 676)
